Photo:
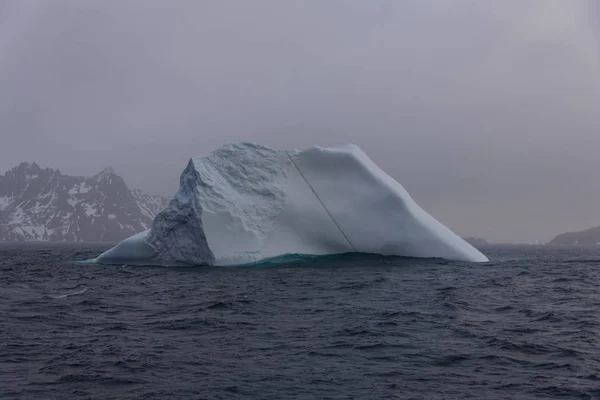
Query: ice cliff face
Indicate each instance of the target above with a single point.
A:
(245, 202)
(178, 236)
(43, 204)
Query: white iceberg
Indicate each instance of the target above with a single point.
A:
(244, 203)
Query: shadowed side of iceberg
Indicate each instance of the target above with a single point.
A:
(177, 235)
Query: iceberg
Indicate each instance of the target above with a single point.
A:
(245, 202)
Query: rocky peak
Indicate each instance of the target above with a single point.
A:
(42, 204)
(26, 168)
(106, 172)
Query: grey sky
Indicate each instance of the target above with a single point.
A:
(488, 112)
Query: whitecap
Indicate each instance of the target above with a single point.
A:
(62, 296)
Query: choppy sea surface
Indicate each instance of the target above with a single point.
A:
(524, 326)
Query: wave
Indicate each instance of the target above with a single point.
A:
(88, 261)
(62, 296)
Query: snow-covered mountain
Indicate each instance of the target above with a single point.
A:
(43, 204)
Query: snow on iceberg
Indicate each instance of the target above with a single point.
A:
(246, 202)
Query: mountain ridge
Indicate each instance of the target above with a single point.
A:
(42, 204)
(586, 236)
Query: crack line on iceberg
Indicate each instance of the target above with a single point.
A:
(319, 199)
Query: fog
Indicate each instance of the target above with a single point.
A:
(486, 111)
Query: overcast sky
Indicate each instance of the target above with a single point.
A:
(488, 112)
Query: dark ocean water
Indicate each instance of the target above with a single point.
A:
(523, 326)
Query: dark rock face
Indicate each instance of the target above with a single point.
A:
(43, 204)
